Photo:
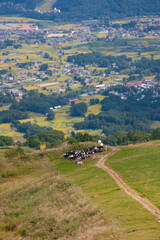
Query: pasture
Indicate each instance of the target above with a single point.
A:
(139, 166)
(133, 221)
(38, 202)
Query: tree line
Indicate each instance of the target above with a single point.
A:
(28, 128)
(51, 138)
(142, 67)
(100, 60)
(118, 138)
(39, 102)
(8, 116)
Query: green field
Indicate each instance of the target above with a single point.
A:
(43, 190)
(139, 166)
(134, 221)
(38, 202)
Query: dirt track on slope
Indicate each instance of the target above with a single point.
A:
(123, 185)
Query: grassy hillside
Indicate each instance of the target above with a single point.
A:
(133, 220)
(45, 5)
(44, 196)
(37, 202)
(140, 167)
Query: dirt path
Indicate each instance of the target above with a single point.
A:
(122, 184)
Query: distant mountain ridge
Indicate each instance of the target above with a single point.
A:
(83, 9)
(77, 10)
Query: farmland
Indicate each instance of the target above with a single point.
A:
(52, 47)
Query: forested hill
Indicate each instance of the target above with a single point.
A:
(19, 7)
(78, 10)
(27, 4)
(85, 9)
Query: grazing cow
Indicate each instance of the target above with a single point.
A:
(80, 156)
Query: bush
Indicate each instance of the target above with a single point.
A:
(78, 110)
(94, 101)
(50, 138)
(6, 141)
(11, 154)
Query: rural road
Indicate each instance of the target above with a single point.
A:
(123, 185)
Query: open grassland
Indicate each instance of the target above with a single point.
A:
(140, 166)
(133, 220)
(94, 109)
(46, 5)
(37, 202)
(44, 196)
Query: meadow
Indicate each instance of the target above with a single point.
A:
(46, 196)
(38, 202)
(133, 221)
(139, 166)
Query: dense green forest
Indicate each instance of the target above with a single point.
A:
(77, 10)
(121, 64)
(39, 102)
(136, 112)
(8, 116)
(91, 9)
(100, 60)
(28, 4)
(78, 110)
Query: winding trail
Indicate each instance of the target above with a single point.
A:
(123, 185)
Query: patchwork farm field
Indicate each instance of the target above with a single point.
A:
(58, 51)
(62, 122)
(124, 46)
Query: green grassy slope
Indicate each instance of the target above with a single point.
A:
(133, 220)
(139, 165)
(38, 202)
(45, 5)
(46, 196)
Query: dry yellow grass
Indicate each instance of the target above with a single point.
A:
(5, 126)
(36, 202)
(95, 109)
(37, 119)
(14, 134)
(17, 19)
(3, 109)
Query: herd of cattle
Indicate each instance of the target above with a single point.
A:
(80, 155)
